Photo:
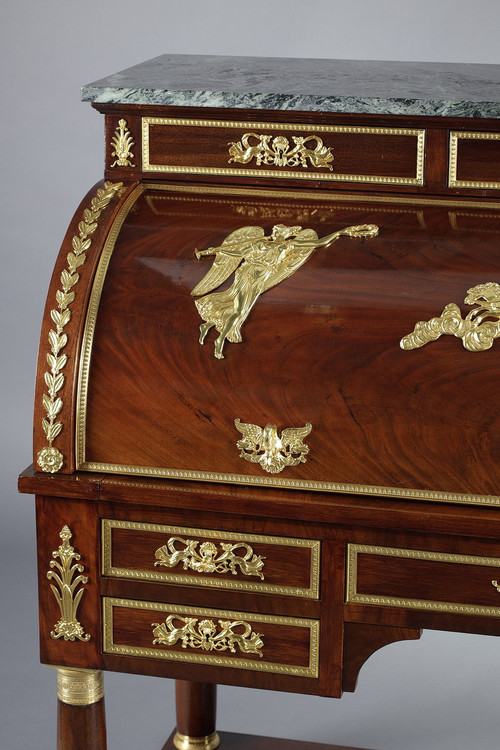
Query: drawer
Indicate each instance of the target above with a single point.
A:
(172, 632)
(202, 557)
(383, 156)
(474, 160)
(423, 580)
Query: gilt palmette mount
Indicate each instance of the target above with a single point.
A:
(259, 262)
(273, 452)
(478, 329)
(66, 572)
(122, 143)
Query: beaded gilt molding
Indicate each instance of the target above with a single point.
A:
(50, 459)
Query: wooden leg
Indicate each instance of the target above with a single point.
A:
(196, 707)
(81, 723)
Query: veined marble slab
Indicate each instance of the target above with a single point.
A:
(348, 86)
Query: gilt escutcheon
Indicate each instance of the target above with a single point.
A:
(263, 445)
(478, 329)
(258, 263)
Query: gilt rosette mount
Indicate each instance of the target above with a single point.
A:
(478, 329)
(273, 452)
(66, 571)
(258, 263)
(208, 558)
(205, 635)
(277, 151)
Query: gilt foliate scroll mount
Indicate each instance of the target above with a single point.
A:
(279, 152)
(479, 328)
(258, 263)
(206, 558)
(207, 635)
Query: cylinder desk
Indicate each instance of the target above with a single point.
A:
(267, 414)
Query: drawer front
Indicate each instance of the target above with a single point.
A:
(383, 156)
(423, 580)
(474, 160)
(172, 632)
(201, 557)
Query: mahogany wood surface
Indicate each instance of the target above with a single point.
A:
(436, 146)
(233, 741)
(282, 564)
(478, 160)
(358, 154)
(285, 643)
(206, 596)
(81, 727)
(427, 579)
(225, 505)
(322, 347)
(220, 675)
(81, 518)
(361, 641)
(331, 330)
(196, 704)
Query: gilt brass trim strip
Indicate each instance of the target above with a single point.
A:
(455, 136)
(110, 647)
(327, 197)
(155, 472)
(429, 605)
(148, 575)
(90, 322)
(419, 134)
(343, 488)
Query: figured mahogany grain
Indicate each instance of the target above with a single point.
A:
(436, 146)
(195, 704)
(361, 641)
(284, 643)
(427, 579)
(81, 727)
(285, 566)
(81, 518)
(321, 347)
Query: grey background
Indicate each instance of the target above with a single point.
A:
(436, 694)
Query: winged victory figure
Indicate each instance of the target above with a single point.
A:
(258, 263)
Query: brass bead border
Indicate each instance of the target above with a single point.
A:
(419, 134)
(428, 605)
(455, 136)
